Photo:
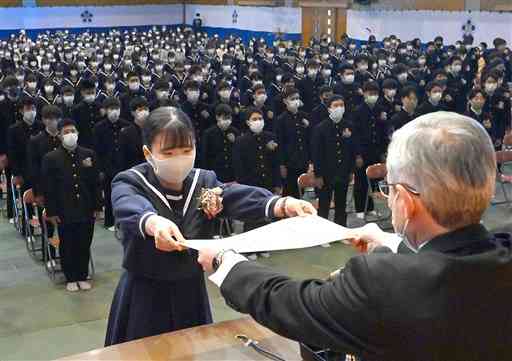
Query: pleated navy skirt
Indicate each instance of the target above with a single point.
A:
(145, 307)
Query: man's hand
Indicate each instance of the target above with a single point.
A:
(166, 234)
(370, 236)
(292, 207)
(206, 257)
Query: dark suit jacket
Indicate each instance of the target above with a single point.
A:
(38, 147)
(450, 301)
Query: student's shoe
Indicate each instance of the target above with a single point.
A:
(360, 215)
(265, 254)
(325, 245)
(252, 256)
(11, 220)
(112, 229)
(72, 287)
(84, 285)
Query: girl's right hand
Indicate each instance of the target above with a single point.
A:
(166, 233)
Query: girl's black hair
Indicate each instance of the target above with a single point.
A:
(172, 124)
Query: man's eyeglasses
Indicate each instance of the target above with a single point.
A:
(384, 188)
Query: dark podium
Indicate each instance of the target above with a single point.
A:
(211, 342)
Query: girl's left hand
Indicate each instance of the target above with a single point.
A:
(293, 207)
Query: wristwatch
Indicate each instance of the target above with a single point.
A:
(217, 260)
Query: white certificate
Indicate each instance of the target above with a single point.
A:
(290, 233)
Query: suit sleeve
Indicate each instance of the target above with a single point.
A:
(338, 314)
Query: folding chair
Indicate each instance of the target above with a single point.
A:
(503, 157)
(507, 142)
(33, 229)
(373, 173)
(306, 184)
(17, 207)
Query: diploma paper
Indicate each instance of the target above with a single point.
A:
(290, 233)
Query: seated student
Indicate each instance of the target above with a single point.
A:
(476, 106)
(335, 153)
(320, 112)
(409, 100)
(293, 131)
(256, 159)
(130, 139)
(73, 200)
(217, 144)
(107, 134)
(433, 103)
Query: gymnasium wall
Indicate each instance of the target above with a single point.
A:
(248, 21)
(428, 24)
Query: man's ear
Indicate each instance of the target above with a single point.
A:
(408, 201)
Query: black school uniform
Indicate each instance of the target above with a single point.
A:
(107, 146)
(73, 194)
(217, 151)
(86, 116)
(334, 148)
(165, 291)
(130, 144)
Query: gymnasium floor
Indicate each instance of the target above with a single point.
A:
(41, 321)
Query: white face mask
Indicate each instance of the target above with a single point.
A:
(224, 123)
(490, 87)
(49, 89)
(29, 117)
(134, 86)
(225, 94)
(371, 99)
(70, 140)
(68, 99)
(260, 98)
(113, 115)
(89, 98)
(257, 126)
(349, 79)
(141, 116)
(435, 98)
(336, 114)
(173, 169)
(293, 105)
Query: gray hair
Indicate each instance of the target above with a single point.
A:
(448, 158)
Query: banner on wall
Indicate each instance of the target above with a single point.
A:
(426, 25)
(89, 17)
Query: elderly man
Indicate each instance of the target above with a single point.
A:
(445, 294)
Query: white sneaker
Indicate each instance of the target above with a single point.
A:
(360, 215)
(112, 229)
(11, 220)
(72, 287)
(325, 245)
(30, 240)
(253, 256)
(265, 254)
(84, 285)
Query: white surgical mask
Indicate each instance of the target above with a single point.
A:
(225, 94)
(49, 88)
(371, 99)
(490, 87)
(336, 114)
(68, 99)
(294, 105)
(113, 115)
(435, 98)
(141, 116)
(349, 79)
(260, 98)
(257, 126)
(224, 123)
(173, 169)
(70, 140)
(89, 98)
(29, 117)
(134, 86)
